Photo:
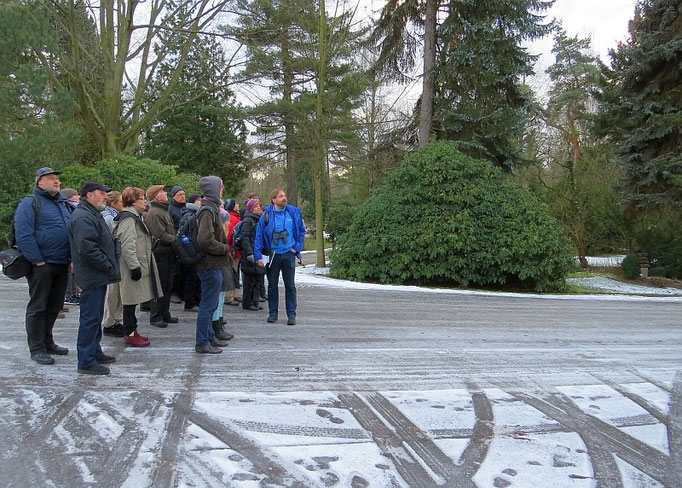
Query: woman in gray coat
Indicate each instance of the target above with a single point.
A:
(139, 276)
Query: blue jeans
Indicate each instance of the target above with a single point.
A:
(218, 313)
(211, 283)
(286, 263)
(90, 326)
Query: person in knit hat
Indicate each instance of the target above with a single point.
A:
(213, 241)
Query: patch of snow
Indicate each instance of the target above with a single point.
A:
(609, 262)
(619, 287)
(314, 276)
(559, 460)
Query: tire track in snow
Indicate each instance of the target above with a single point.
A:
(602, 439)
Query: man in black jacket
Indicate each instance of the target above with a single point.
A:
(96, 265)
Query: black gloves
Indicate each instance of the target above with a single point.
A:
(136, 274)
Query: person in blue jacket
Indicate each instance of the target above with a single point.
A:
(280, 234)
(43, 239)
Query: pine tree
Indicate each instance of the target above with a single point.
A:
(641, 107)
(480, 100)
(202, 129)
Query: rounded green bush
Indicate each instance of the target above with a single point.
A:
(630, 266)
(125, 170)
(445, 218)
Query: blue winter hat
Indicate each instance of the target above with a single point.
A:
(229, 204)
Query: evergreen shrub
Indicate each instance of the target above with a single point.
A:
(444, 218)
(125, 170)
(630, 266)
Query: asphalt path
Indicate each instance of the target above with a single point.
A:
(363, 371)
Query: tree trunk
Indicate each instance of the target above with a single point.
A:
(289, 149)
(319, 132)
(428, 80)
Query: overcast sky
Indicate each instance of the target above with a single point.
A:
(605, 21)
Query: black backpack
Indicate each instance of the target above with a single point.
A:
(14, 264)
(237, 235)
(185, 243)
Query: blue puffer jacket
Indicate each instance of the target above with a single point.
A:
(45, 238)
(264, 233)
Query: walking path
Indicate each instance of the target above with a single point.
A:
(375, 387)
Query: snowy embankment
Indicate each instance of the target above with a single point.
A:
(314, 276)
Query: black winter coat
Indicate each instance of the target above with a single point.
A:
(248, 232)
(94, 250)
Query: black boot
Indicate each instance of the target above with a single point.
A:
(220, 331)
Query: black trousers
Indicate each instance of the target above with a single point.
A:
(192, 294)
(46, 288)
(129, 319)
(251, 289)
(160, 310)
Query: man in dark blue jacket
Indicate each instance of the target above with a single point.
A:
(96, 265)
(282, 233)
(43, 238)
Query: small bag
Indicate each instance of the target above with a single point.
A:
(14, 264)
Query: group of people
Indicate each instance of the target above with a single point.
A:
(116, 249)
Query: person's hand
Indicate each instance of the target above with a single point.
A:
(136, 274)
(250, 259)
(71, 267)
(260, 263)
(40, 263)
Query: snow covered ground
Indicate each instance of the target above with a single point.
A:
(311, 275)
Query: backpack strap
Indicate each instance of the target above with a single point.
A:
(35, 203)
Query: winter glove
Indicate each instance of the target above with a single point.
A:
(249, 258)
(136, 274)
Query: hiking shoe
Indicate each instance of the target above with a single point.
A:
(136, 340)
(219, 331)
(115, 330)
(105, 359)
(94, 369)
(291, 321)
(218, 343)
(232, 303)
(253, 308)
(208, 349)
(171, 320)
(42, 358)
(272, 319)
(57, 350)
(159, 323)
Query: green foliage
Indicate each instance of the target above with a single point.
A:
(339, 219)
(37, 121)
(446, 218)
(202, 128)
(663, 243)
(128, 170)
(480, 100)
(641, 106)
(630, 266)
